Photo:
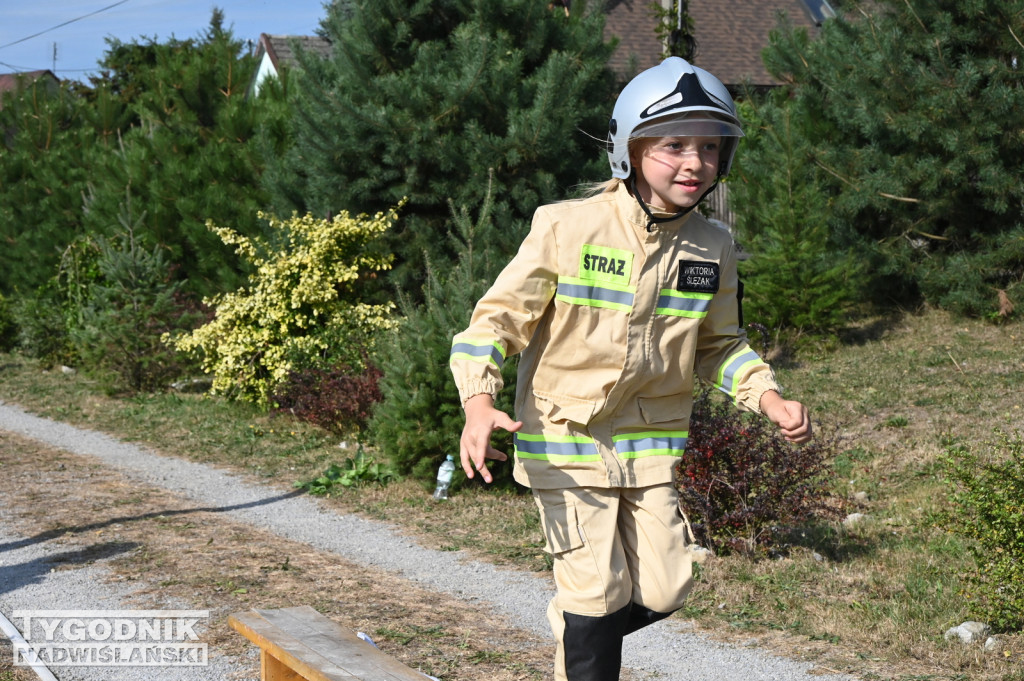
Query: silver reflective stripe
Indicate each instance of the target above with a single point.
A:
(682, 304)
(489, 352)
(557, 448)
(637, 445)
(581, 292)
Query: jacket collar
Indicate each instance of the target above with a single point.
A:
(630, 209)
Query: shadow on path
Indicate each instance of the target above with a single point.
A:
(78, 529)
(36, 570)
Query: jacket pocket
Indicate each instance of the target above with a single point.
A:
(562, 409)
(663, 409)
(561, 528)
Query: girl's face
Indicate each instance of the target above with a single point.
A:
(674, 172)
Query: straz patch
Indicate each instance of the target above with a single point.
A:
(698, 276)
(600, 263)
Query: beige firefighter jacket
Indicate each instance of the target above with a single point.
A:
(612, 320)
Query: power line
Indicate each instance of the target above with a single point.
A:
(70, 21)
(20, 69)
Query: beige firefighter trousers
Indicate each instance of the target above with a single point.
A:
(613, 547)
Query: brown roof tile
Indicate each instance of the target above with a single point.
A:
(730, 35)
(10, 82)
(633, 23)
(13, 82)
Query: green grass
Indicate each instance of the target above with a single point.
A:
(873, 599)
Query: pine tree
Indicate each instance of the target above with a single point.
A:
(783, 220)
(48, 151)
(188, 155)
(422, 98)
(912, 112)
(169, 121)
(420, 418)
(128, 306)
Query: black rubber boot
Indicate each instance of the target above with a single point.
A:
(593, 645)
(640, 617)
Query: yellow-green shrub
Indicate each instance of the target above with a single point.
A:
(301, 300)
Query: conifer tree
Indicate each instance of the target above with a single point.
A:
(420, 418)
(421, 98)
(129, 304)
(912, 115)
(783, 220)
(48, 151)
(188, 155)
(167, 121)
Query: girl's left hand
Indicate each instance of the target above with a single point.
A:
(791, 417)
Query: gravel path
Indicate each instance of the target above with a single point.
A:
(28, 582)
(665, 651)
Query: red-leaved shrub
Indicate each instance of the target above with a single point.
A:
(742, 486)
(335, 399)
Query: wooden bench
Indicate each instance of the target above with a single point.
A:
(299, 644)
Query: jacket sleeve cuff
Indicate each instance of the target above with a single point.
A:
(749, 398)
(477, 387)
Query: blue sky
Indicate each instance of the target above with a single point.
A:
(80, 42)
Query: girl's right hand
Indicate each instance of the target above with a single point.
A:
(475, 448)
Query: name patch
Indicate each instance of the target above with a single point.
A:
(600, 263)
(698, 276)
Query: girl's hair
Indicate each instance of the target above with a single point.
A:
(590, 189)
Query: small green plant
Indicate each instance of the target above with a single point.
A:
(42, 327)
(987, 495)
(420, 416)
(356, 471)
(895, 422)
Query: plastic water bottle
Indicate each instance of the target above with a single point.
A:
(444, 478)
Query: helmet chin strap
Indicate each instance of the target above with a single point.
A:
(651, 218)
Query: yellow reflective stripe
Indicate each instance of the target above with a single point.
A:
(683, 304)
(488, 351)
(651, 443)
(737, 365)
(604, 294)
(555, 448)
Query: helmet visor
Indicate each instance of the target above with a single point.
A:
(688, 127)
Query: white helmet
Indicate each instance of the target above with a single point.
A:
(668, 100)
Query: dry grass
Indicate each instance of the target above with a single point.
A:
(165, 549)
(8, 672)
(881, 595)
(873, 601)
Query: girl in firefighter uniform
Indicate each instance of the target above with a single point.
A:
(615, 302)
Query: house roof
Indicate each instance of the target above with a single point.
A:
(281, 48)
(633, 23)
(13, 82)
(276, 51)
(730, 35)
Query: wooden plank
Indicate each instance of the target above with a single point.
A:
(272, 669)
(318, 648)
(285, 648)
(343, 650)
